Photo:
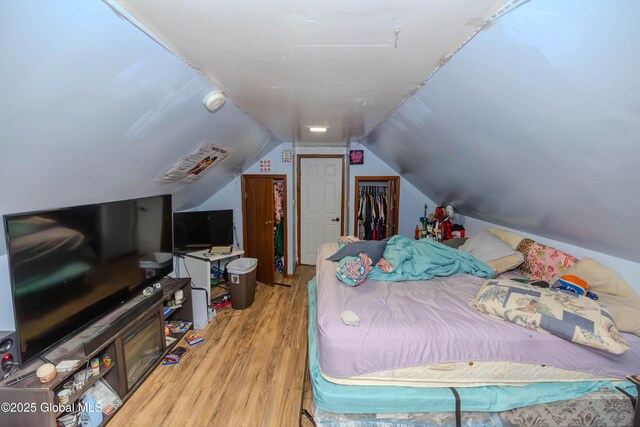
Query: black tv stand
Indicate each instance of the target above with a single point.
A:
(94, 343)
(118, 339)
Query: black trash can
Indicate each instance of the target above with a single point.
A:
(242, 282)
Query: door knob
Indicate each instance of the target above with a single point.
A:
(336, 220)
(267, 222)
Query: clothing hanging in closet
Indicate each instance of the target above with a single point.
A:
(372, 203)
(278, 228)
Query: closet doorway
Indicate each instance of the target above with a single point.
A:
(264, 224)
(376, 207)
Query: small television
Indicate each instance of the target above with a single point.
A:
(202, 229)
(72, 265)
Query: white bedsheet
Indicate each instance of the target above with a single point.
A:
(468, 374)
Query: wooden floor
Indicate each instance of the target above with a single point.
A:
(248, 372)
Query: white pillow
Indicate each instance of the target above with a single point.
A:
(493, 251)
(487, 247)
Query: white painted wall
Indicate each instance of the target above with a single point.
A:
(629, 270)
(412, 200)
(534, 124)
(230, 197)
(93, 110)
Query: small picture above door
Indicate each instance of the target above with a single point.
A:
(376, 207)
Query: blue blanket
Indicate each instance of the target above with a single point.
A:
(424, 259)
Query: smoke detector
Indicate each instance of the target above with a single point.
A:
(214, 101)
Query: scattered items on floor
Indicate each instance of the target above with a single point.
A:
(175, 355)
(349, 318)
(194, 339)
(46, 372)
(221, 301)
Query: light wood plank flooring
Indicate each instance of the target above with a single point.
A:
(248, 372)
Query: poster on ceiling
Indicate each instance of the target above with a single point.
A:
(194, 166)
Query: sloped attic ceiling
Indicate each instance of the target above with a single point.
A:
(534, 125)
(294, 64)
(94, 110)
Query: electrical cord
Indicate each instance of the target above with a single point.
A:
(229, 316)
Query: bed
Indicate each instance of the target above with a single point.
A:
(416, 340)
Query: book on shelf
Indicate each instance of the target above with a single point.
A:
(178, 327)
(170, 340)
(168, 310)
(194, 339)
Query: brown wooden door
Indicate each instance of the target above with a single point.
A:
(393, 191)
(257, 211)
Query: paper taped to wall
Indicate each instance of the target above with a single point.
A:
(192, 167)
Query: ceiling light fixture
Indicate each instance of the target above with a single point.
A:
(317, 128)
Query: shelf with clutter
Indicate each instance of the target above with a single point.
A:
(438, 225)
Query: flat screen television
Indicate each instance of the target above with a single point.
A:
(202, 229)
(72, 265)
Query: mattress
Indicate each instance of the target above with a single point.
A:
(417, 323)
(357, 399)
(468, 374)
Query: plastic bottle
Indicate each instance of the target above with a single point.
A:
(417, 235)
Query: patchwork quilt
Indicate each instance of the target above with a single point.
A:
(565, 314)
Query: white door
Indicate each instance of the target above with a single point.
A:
(320, 204)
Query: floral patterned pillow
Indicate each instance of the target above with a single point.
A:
(546, 263)
(562, 313)
(524, 247)
(352, 270)
(345, 240)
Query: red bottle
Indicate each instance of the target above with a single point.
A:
(417, 235)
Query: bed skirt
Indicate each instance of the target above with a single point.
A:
(601, 408)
